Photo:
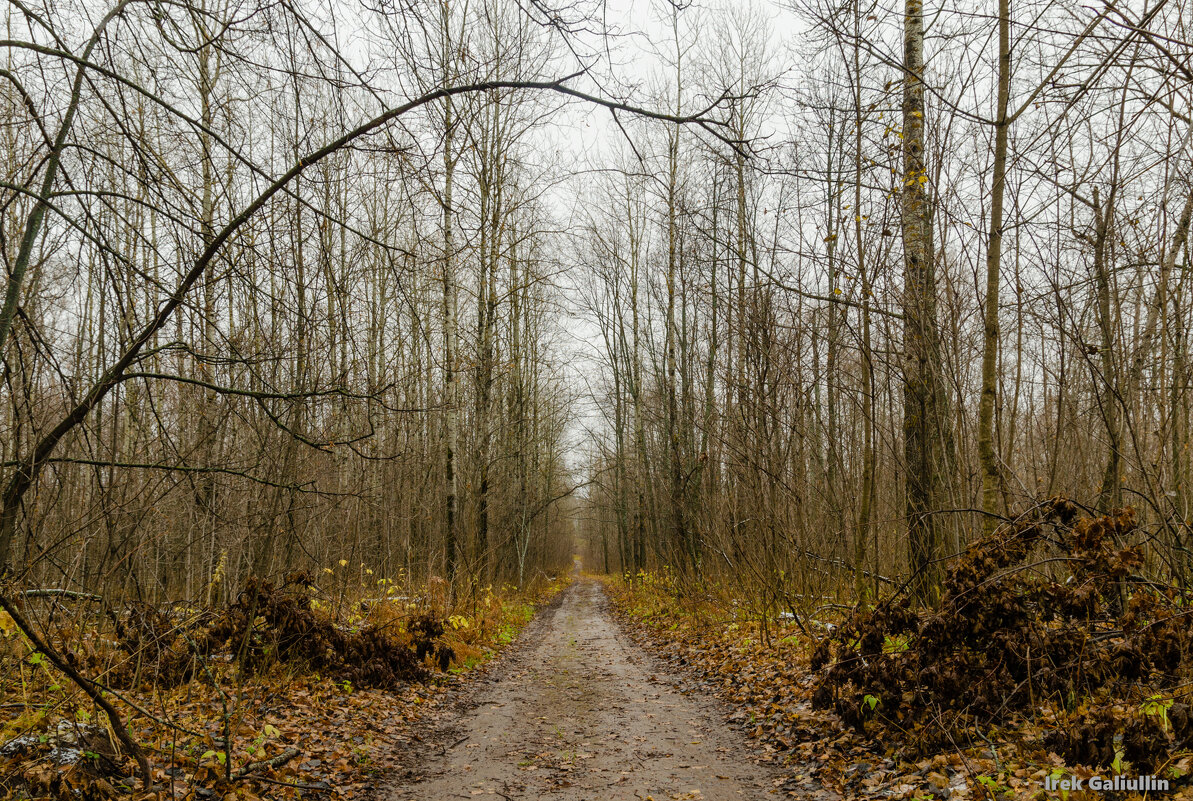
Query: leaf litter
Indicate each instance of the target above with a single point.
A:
(282, 694)
(1047, 657)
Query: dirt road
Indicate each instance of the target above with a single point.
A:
(577, 711)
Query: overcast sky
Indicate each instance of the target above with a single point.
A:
(585, 138)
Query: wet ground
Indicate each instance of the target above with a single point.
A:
(575, 710)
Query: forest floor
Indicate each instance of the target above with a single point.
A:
(286, 731)
(627, 688)
(576, 710)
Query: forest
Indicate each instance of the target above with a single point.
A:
(819, 367)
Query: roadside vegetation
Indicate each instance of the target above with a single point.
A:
(1048, 656)
(310, 699)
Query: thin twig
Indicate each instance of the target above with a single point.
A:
(272, 762)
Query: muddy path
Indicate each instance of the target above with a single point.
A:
(575, 710)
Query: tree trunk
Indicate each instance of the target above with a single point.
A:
(987, 452)
(450, 386)
(925, 412)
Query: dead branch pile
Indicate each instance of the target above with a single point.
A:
(1047, 611)
(267, 625)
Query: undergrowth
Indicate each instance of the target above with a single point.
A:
(297, 688)
(1049, 656)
